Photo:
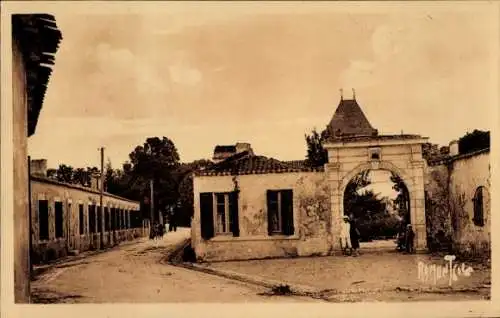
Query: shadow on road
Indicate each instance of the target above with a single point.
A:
(45, 296)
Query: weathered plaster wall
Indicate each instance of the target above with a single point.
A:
(468, 174)
(71, 198)
(453, 184)
(437, 209)
(311, 217)
(20, 177)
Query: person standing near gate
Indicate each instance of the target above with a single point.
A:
(410, 237)
(354, 235)
(345, 237)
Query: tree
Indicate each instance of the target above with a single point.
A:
(80, 177)
(477, 140)
(52, 173)
(402, 200)
(157, 160)
(317, 155)
(351, 194)
(64, 174)
(114, 181)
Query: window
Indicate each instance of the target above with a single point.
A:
(478, 201)
(121, 220)
(280, 212)
(99, 220)
(43, 220)
(222, 216)
(113, 217)
(92, 225)
(374, 153)
(118, 219)
(219, 214)
(59, 216)
(81, 219)
(106, 219)
(133, 219)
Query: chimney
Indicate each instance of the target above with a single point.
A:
(243, 146)
(94, 181)
(454, 148)
(39, 167)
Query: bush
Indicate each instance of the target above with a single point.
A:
(472, 250)
(281, 290)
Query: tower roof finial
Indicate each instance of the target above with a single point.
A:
(341, 94)
(353, 94)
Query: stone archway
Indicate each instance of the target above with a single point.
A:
(401, 154)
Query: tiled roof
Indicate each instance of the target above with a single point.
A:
(38, 38)
(349, 120)
(245, 163)
(47, 180)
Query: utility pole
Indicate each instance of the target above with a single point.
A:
(101, 188)
(152, 205)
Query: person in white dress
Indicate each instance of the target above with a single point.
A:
(345, 236)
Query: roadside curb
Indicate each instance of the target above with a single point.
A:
(268, 283)
(175, 259)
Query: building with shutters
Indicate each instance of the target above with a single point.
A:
(249, 207)
(66, 218)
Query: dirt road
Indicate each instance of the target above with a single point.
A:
(136, 273)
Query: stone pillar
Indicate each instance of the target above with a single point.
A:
(336, 200)
(418, 206)
(20, 179)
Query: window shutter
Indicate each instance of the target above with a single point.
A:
(287, 212)
(207, 215)
(233, 213)
(269, 212)
(480, 207)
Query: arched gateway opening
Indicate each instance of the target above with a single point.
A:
(399, 154)
(378, 205)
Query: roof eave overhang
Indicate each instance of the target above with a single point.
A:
(374, 142)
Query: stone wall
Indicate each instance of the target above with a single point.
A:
(451, 186)
(312, 217)
(71, 197)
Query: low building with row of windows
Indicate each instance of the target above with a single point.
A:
(67, 218)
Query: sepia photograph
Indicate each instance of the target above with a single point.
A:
(248, 152)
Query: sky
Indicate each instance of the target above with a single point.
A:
(264, 74)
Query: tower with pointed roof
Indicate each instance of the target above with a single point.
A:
(349, 121)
